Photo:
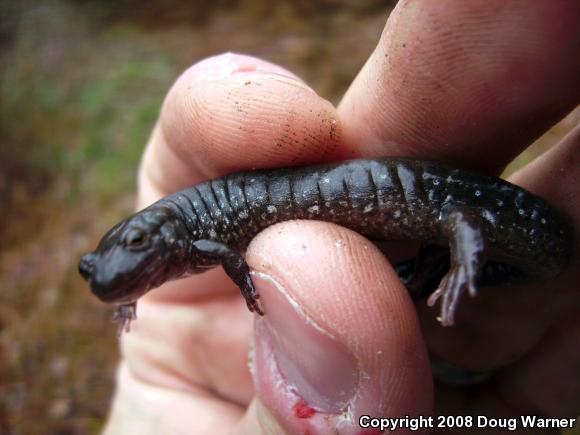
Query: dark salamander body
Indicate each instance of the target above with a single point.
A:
(474, 229)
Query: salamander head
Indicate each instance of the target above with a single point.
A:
(136, 255)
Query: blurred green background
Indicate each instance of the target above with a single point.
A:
(81, 83)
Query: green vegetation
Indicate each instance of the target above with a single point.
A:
(81, 114)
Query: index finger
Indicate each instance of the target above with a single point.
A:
(470, 83)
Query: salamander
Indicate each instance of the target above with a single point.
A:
(474, 230)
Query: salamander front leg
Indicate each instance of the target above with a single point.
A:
(235, 267)
(125, 314)
(468, 248)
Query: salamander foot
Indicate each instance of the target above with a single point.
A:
(467, 247)
(124, 315)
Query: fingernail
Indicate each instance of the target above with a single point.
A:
(313, 363)
(228, 64)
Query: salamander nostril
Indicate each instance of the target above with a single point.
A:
(86, 265)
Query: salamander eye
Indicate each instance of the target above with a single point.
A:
(136, 239)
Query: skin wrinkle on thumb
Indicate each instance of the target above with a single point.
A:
(295, 305)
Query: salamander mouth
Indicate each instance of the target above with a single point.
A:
(128, 292)
(131, 288)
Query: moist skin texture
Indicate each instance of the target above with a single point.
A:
(474, 230)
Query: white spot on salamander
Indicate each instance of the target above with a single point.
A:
(488, 216)
(477, 193)
(368, 208)
(271, 209)
(543, 220)
(313, 209)
(397, 213)
(212, 234)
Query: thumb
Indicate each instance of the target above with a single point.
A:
(340, 337)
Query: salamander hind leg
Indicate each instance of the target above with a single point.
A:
(468, 248)
(235, 267)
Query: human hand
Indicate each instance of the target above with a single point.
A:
(466, 83)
